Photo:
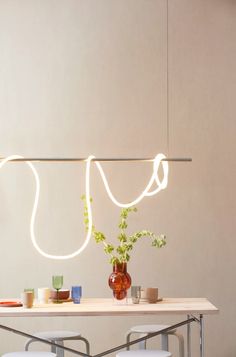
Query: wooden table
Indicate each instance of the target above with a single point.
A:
(196, 307)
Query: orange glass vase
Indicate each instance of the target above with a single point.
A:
(119, 281)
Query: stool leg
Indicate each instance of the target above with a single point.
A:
(164, 342)
(181, 344)
(128, 340)
(28, 343)
(86, 344)
(53, 349)
(143, 344)
(59, 351)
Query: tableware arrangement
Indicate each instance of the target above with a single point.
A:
(76, 293)
(45, 295)
(57, 283)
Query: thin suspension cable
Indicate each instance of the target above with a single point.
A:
(167, 79)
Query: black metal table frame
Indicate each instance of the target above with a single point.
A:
(190, 319)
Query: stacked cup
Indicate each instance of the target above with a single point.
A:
(27, 298)
(43, 295)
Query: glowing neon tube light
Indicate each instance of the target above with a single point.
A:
(161, 185)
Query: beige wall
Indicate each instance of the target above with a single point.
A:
(81, 77)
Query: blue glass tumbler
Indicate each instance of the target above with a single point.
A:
(76, 293)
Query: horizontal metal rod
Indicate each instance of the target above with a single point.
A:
(57, 159)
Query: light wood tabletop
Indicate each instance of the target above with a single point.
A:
(106, 307)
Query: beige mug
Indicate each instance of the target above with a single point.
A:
(150, 294)
(27, 299)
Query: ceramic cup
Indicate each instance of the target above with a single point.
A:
(43, 295)
(27, 299)
(150, 294)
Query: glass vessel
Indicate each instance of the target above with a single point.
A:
(119, 281)
(57, 282)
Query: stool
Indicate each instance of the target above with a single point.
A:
(58, 337)
(29, 354)
(144, 353)
(145, 330)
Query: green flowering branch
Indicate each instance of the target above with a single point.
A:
(121, 253)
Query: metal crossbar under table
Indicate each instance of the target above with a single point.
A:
(106, 352)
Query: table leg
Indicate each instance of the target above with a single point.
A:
(189, 338)
(201, 336)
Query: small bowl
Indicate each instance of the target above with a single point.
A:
(63, 294)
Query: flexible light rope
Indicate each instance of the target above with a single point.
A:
(154, 178)
(35, 206)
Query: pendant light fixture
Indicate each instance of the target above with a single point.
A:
(148, 191)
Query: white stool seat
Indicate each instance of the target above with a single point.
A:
(29, 354)
(58, 337)
(144, 353)
(144, 330)
(149, 328)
